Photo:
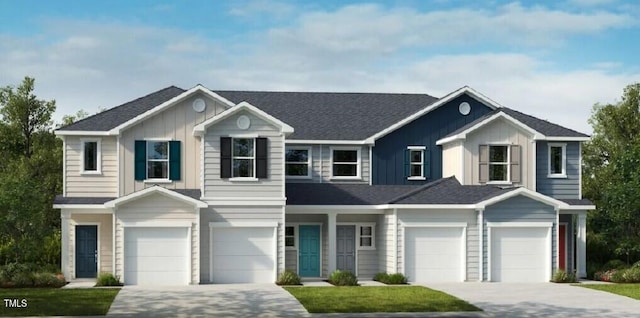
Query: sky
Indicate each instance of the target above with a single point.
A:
(550, 59)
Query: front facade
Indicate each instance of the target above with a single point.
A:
(199, 186)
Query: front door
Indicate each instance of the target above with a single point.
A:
(86, 251)
(309, 251)
(562, 247)
(346, 248)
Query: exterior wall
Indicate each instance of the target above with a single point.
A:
(385, 241)
(157, 208)
(388, 153)
(175, 123)
(467, 216)
(498, 132)
(366, 260)
(216, 187)
(568, 219)
(237, 213)
(518, 209)
(452, 160)
(321, 164)
(105, 242)
(559, 188)
(91, 185)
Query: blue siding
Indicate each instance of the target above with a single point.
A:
(518, 209)
(388, 152)
(559, 188)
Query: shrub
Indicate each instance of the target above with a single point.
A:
(397, 279)
(44, 279)
(605, 276)
(636, 264)
(30, 275)
(562, 276)
(343, 278)
(107, 279)
(614, 264)
(288, 278)
(381, 277)
(629, 275)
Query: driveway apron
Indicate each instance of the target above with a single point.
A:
(541, 300)
(238, 300)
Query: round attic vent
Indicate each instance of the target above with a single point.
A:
(243, 122)
(464, 108)
(199, 105)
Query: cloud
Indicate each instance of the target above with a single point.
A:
(262, 8)
(590, 3)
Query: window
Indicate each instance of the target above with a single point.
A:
(298, 163)
(416, 163)
(290, 237)
(557, 160)
(90, 156)
(365, 237)
(498, 163)
(243, 158)
(157, 160)
(345, 163)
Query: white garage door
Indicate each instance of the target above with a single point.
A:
(156, 256)
(243, 255)
(434, 254)
(519, 254)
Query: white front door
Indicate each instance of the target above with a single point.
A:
(156, 256)
(434, 254)
(520, 254)
(243, 255)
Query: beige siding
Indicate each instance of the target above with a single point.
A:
(238, 214)
(499, 132)
(91, 185)
(105, 242)
(385, 241)
(468, 217)
(175, 123)
(157, 208)
(451, 160)
(321, 164)
(216, 187)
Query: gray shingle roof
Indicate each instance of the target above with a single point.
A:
(59, 199)
(540, 125)
(577, 201)
(443, 191)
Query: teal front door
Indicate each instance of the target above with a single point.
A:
(309, 251)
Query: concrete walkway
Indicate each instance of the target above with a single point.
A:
(237, 300)
(541, 300)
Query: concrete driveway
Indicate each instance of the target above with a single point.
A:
(541, 300)
(238, 300)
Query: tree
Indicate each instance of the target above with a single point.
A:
(612, 174)
(70, 119)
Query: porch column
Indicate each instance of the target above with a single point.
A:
(331, 241)
(64, 247)
(581, 245)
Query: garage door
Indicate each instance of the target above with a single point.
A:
(519, 254)
(243, 255)
(434, 254)
(156, 256)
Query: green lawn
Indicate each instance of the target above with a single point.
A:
(377, 299)
(629, 290)
(58, 301)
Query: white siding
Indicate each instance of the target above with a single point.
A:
(452, 160)
(154, 208)
(89, 185)
(469, 217)
(386, 225)
(216, 187)
(104, 240)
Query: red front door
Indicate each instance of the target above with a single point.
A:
(562, 247)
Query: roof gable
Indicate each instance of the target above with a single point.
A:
(186, 198)
(243, 106)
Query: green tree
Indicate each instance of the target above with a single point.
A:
(612, 176)
(70, 119)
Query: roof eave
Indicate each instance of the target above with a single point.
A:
(200, 129)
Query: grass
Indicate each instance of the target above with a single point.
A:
(629, 290)
(360, 299)
(58, 302)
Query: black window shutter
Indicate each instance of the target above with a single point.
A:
(407, 163)
(225, 157)
(261, 158)
(140, 160)
(174, 160)
(427, 164)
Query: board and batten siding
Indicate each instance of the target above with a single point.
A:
(104, 184)
(154, 208)
(389, 151)
(105, 242)
(559, 188)
(238, 214)
(452, 159)
(215, 186)
(174, 123)
(428, 216)
(518, 209)
(498, 132)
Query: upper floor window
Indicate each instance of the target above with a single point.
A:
(499, 163)
(243, 158)
(157, 160)
(298, 162)
(90, 156)
(557, 160)
(415, 163)
(345, 163)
